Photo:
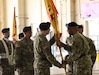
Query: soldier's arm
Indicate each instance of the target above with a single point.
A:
(0, 46)
(47, 52)
(18, 55)
(52, 41)
(78, 51)
(66, 47)
(92, 51)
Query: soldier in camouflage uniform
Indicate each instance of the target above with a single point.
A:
(25, 53)
(92, 50)
(7, 49)
(81, 60)
(69, 67)
(21, 35)
(42, 51)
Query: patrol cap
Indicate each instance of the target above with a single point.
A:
(80, 26)
(21, 35)
(71, 24)
(44, 25)
(25, 29)
(5, 30)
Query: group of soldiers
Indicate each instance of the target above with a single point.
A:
(34, 57)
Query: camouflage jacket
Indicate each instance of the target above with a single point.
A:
(8, 43)
(42, 52)
(92, 50)
(24, 56)
(80, 49)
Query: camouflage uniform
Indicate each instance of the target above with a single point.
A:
(8, 67)
(43, 56)
(25, 57)
(79, 57)
(92, 50)
(69, 42)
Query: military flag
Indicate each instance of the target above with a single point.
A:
(14, 27)
(53, 16)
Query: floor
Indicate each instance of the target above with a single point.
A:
(57, 71)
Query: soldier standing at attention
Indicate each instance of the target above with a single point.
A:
(81, 60)
(92, 51)
(42, 51)
(25, 53)
(7, 53)
(21, 35)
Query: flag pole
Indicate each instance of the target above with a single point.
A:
(14, 27)
(59, 45)
(52, 14)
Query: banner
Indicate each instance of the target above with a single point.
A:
(14, 27)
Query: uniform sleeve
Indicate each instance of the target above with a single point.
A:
(18, 55)
(66, 47)
(0, 46)
(47, 52)
(92, 51)
(78, 50)
(52, 41)
(2, 49)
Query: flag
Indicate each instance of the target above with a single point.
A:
(14, 27)
(53, 16)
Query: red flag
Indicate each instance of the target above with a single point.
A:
(53, 15)
(14, 27)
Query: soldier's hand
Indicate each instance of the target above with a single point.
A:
(63, 63)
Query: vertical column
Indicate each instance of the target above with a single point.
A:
(21, 14)
(72, 10)
(86, 28)
(2, 16)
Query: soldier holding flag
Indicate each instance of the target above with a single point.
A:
(81, 60)
(42, 51)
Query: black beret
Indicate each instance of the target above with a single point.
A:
(80, 26)
(71, 24)
(21, 35)
(44, 25)
(25, 29)
(5, 30)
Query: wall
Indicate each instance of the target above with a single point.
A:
(32, 12)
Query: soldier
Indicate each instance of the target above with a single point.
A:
(69, 67)
(92, 50)
(21, 35)
(79, 48)
(7, 53)
(42, 51)
(25, 53)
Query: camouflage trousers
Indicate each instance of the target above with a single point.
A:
(69, 69)
(82, 69)
(8, 70)
(41, 71)
(26, 72)
(74, 69)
